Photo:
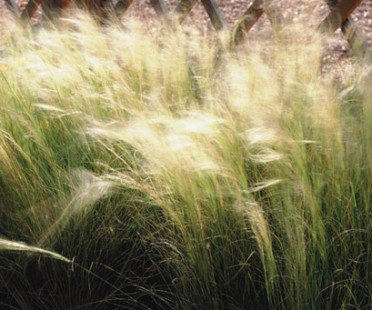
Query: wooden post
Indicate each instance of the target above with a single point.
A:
(184, 8)
(161, 9)
(275, 16)
(214, 14)
(354, 36)
(13, 7)
(247, 21)
(338, 15)
(122, 6)
(30, 10)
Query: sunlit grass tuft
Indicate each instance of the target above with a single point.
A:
(177, 174)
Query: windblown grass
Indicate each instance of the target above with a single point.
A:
(179, 176)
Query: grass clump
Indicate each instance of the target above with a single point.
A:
(168, 181)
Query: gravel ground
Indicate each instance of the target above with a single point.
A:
(232, 9)
(292, 10)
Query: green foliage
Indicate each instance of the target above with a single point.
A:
(165, 179)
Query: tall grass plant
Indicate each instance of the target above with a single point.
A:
(174, 175)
